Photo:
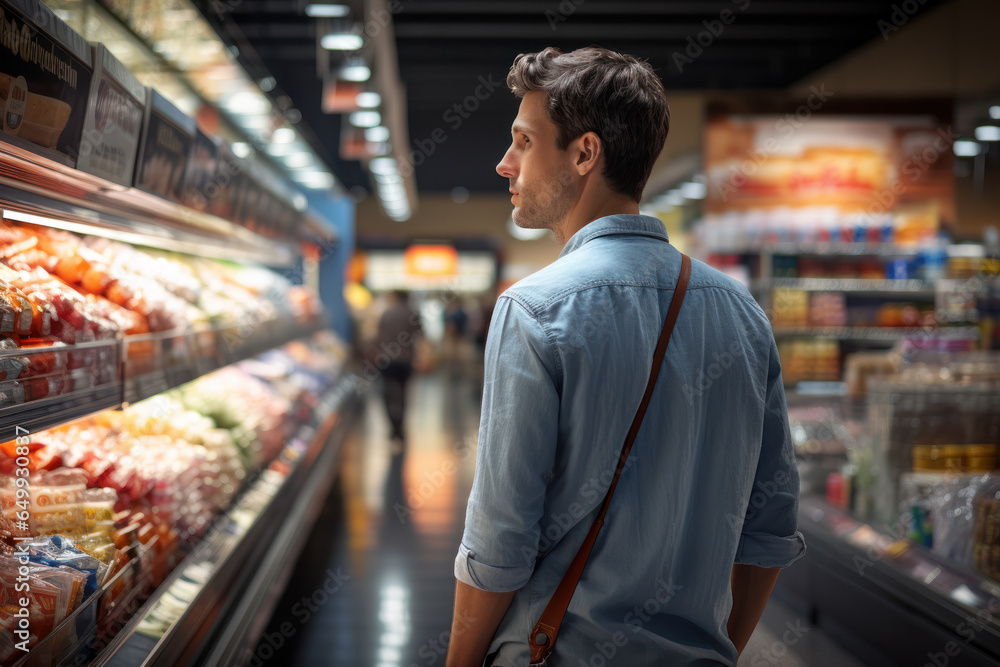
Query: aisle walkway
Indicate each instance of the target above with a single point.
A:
(386, 540)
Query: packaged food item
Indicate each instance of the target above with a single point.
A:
(99, 510)
(11, 393)
(827, 309)
(59, 551)
(56, 502)
(129, 322)
(70, 582)
(48, 601)
(11, 365)
(15, 310)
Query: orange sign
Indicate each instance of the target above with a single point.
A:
(431, 260)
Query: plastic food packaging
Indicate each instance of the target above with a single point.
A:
(48, 601)
(15, 310)
(56, 502)
(11, 365)
(58, 551)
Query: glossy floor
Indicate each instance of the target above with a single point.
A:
(374, 585)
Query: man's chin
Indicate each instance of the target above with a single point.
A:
(517, 215)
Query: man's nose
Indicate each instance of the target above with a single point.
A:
(505, 168)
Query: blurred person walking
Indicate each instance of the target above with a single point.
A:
(399, 334)
(454, 344)
(684, 564)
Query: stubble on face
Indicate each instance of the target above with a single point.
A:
(546, 204)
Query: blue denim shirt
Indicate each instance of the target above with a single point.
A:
(711, 480)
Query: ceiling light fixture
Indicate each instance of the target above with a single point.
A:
(967, 148)
(321, 11)
(298, 160)
(377, 134)
(247, 103)
(988, 133)
(316, 180)
(365, 118)
(355, 73)
(341, 41)
(283, 135)
(241, 149)
(383, 165)
(995, 112)
(368, 100)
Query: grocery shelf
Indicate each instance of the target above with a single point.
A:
(853, 285)
(37, 190)
(835, 249)
(228, 575)
(155, 363)
(887, 334)
(270, 518)
(133, 368)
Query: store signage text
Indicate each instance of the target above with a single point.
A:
(20, 42)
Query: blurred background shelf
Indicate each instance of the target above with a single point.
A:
(888, 334)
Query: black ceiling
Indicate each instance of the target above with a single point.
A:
(447, 47)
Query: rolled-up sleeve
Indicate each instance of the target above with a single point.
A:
(517, 443)
(770, 537)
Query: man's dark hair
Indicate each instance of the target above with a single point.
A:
(614, 95)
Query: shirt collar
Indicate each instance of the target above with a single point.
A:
(635, 225)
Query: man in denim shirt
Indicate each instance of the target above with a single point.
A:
(705, 511)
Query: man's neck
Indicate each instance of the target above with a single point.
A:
(582, 215)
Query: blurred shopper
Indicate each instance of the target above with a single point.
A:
(454, 345)
(705, 510)
(399, 334)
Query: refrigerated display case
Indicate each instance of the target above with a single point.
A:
(174, 405)
(898, 499)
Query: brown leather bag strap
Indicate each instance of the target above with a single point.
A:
(543, 637)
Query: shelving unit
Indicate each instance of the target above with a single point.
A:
(869, 590)
(878, 334)
(285, 498)
(853, 285)
(177, 358)
(44, 383)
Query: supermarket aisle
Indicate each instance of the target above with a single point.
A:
(374, 585)
(386, 541)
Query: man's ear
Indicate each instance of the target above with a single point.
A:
(588, 150)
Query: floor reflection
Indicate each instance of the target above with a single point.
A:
(392, 525)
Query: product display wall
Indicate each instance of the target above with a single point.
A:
(133, 276)
(887, 329)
